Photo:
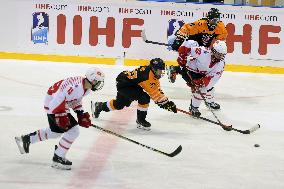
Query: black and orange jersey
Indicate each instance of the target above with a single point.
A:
(200, 32)
(143, 77)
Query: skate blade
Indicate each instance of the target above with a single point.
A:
(143, 128)
(18, 142)
(56, 165)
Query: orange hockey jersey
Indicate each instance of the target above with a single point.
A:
(200, 32)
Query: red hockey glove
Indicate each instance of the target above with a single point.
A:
(84, 119)
(183, 54)
(62, 120)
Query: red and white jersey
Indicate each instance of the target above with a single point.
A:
(65, 94)
(198, 59)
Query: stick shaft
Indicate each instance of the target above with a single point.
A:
(177, 151)
(249, 131)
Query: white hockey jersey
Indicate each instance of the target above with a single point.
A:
(198, 59)
(65, 94)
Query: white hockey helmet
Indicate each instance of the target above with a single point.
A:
(219, 49)
(220, 46)
(96, 78)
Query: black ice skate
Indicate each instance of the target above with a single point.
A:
(143, 124)
(194, 111)
(172, 74)
(97, 109)
(23, 143)
(213, 105)
(60, 162)
(141, 121)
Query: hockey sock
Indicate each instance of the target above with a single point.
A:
(42, 135)
(66, 141)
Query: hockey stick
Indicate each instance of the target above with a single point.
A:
(174, 153)
(143, 35)
(248, 131)
(203, 98)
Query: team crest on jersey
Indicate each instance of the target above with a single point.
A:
(39, 33)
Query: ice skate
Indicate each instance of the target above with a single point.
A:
(141, 121)
(213, 105)
(23, 143)
(60, 162)
(143, 124)
(97, 109)
(194, 111)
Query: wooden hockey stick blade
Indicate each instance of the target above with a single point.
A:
(143, 35)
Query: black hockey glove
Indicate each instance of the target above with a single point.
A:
(169, 105)
(177, 43)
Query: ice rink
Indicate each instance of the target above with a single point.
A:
(211, 157)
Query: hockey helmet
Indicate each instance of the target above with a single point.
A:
(213, 13)
(157, 65)
(219, 49)
(213, 17)
(96, 78)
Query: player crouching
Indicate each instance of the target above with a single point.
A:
(140, 84)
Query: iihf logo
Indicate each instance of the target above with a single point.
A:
(174, 26)
(40, 28)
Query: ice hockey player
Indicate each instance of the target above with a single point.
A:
(140, 84)
(201, 69)
(204, 31)
(63, 96)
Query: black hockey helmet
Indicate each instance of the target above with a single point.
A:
(213, 13)
(213, 17)
(157, 65)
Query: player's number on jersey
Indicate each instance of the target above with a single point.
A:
(70, 90)
(198, 51)
(132, 74)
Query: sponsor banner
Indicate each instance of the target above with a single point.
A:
(114, 30)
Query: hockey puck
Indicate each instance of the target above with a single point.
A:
(256, 145)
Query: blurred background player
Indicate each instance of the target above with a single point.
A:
(61, 97)
(201, 68)
(140, 84)
(204, 31)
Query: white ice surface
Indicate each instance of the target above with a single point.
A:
(211, 157)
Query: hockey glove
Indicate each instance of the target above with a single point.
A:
(183, 55)
(62, 120)
(170, 106)
(84, 119)
(177, 43)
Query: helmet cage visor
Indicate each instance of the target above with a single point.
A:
(218, 55)
(96, 85)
